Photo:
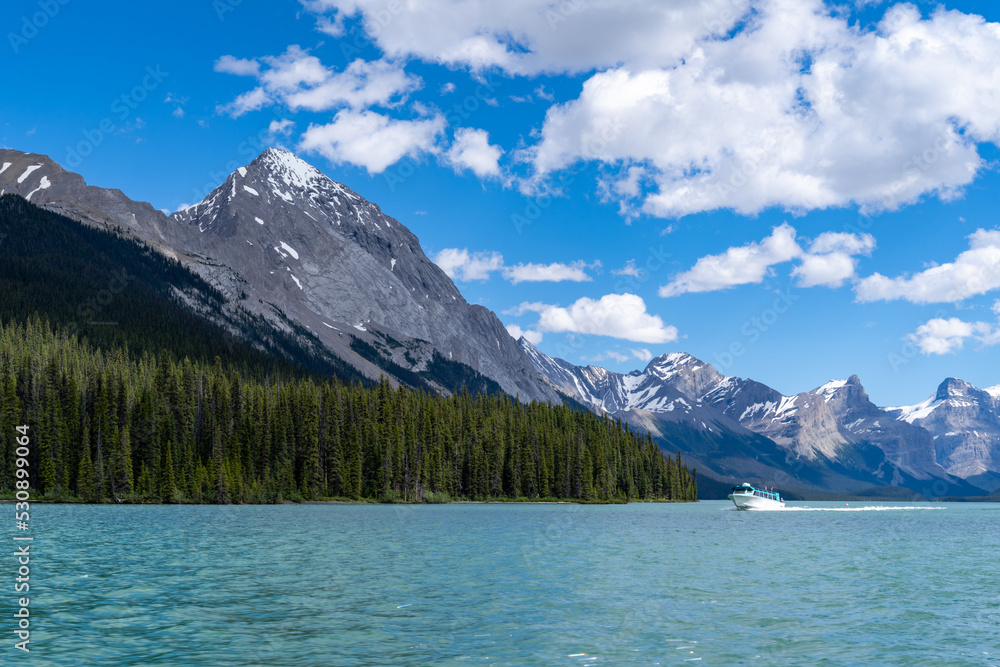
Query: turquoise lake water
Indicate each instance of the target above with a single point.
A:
(343, 585)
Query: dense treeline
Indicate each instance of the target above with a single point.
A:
(112, 426)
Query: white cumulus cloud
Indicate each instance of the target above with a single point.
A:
(737, 266)
(472, 150)
(371, 140)
(299, 80)
(704, 105)
(280, 127)
(460, 264)
(943, 336)
(630, 269)
(800, 110)
(615, 315)
(830, 260)
(535, 36)
(555, 272)
(361, 84)
(975, 271)
(464, 266)
(237, 66)
(642, 354)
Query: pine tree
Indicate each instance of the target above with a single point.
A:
(167, 486)
(85, 485)
(144, 485)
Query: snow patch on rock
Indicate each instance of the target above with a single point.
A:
(27, 172)
(290, 250)
(44, 184)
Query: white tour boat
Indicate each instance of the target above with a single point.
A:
(746, 497)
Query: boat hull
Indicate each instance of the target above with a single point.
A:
(749, 502)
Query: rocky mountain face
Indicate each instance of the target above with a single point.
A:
(802, 424)
(663, 400)
(44, 183)
(833, 437)
(282, 240)
(862, 422)
(964, 422)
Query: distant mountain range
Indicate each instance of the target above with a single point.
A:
(315, 261)
(830, 438)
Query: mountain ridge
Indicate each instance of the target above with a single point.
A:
(830, 437)
(286, 242)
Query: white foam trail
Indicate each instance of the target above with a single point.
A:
(872, 508)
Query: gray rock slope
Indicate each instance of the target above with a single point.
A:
(281, 239)
(965, 424)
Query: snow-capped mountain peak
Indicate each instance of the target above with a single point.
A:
(848, 392)
(290, 168)
(689, 375)
(291, 174)
(952, 392)
(911, 413)
(828, 390)
(954, 388)
(667, 365)
(274, 182)
(965, 424)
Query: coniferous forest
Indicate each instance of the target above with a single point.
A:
(106, 427)
(159, 405)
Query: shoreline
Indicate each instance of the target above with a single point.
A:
(363, 502)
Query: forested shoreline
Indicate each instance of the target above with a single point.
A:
(113, 426)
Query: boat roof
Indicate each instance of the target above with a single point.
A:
(748, 485)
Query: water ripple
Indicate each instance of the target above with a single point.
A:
(515, 585)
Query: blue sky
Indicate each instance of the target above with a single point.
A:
(791, 190)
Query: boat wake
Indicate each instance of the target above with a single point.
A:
(869, 508)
